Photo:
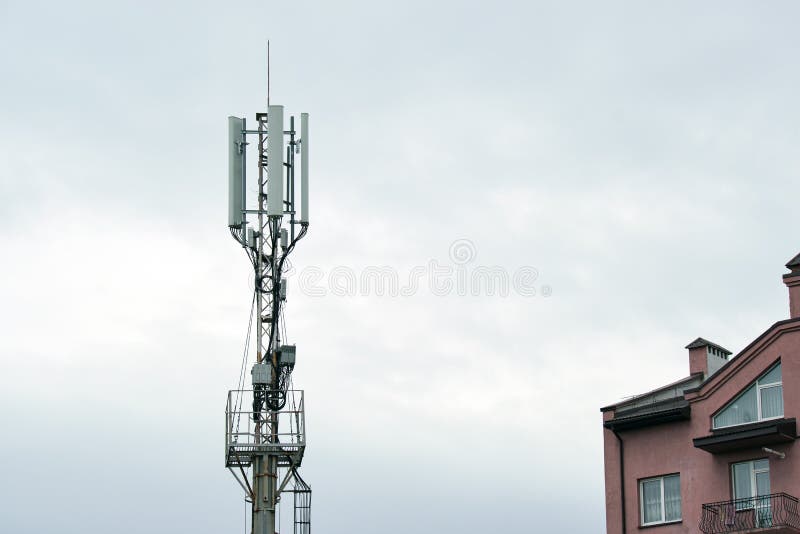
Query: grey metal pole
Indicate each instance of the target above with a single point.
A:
(290, 176)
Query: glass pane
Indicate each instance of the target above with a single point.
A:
(672, 498)
(773, 376)
(742, 489)
(762, 483)
(742, 410)
(763, 504)
(772, 402)
(651, 501)
(758, 465)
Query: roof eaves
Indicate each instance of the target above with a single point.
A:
(651, 392)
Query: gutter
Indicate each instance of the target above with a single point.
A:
(621, 479)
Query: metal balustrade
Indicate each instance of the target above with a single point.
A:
(751, 514)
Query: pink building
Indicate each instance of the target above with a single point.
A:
(713, 452)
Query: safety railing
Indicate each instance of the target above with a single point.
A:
(250, 432)
(750, 514)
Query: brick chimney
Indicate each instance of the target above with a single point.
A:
(792, 281)
(706, 357)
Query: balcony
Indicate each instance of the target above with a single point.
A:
(773, 514)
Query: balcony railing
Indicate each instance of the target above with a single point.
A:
(744, 515)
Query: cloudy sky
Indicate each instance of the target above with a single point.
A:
(641, 156)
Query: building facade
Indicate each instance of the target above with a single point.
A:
(714, 452)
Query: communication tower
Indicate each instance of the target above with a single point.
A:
(265, 435)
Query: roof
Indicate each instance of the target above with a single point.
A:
(676, 388)
(666, 411)
(736, 359)
(794, 263)
(752, 435)
(700, 342)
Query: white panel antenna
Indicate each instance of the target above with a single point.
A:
(304, 167)
(236, 194)
(275, 161)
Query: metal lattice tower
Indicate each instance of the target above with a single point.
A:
(265, 425)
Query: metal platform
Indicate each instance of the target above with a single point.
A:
(249, 433)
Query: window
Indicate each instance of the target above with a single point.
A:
(751, 489)
(660, 499)
(763, 399)
(750, 479)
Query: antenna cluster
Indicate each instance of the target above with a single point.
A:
(265, 425)
(276, 167)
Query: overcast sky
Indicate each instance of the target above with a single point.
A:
(641, 156)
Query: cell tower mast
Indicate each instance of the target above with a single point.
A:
(265, 425)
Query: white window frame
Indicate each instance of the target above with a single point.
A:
(756, 503)
(753, 473)
(663, 501)
(758, 387)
